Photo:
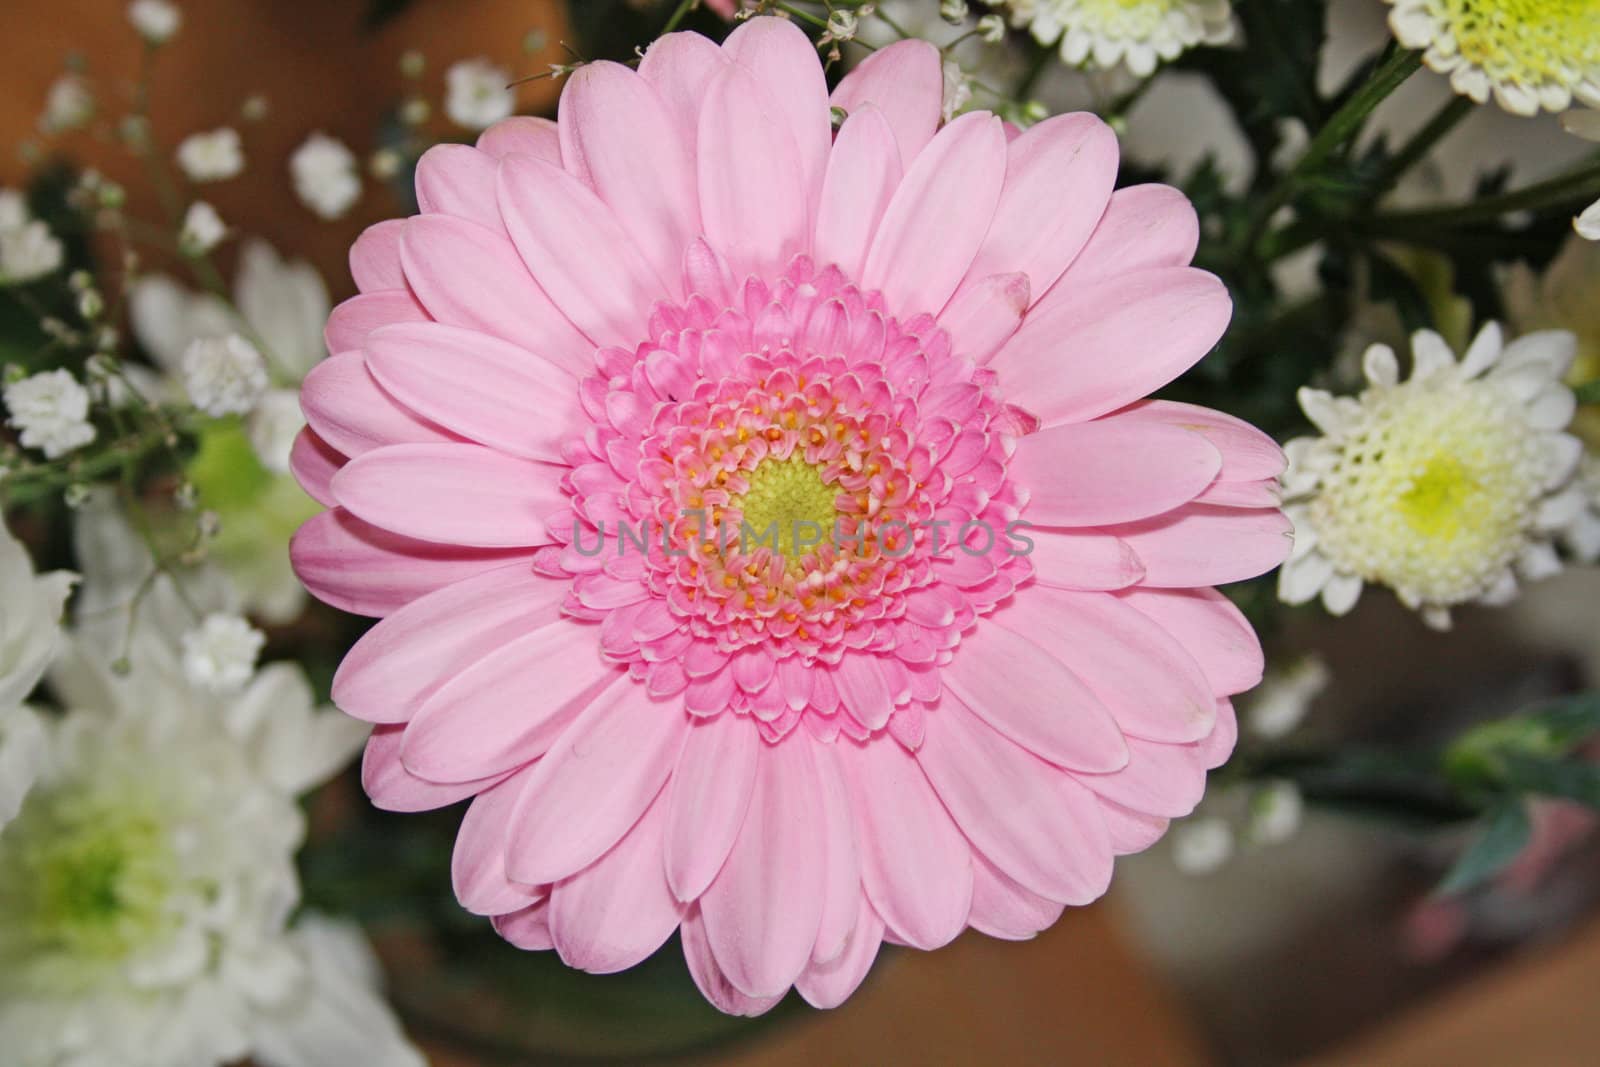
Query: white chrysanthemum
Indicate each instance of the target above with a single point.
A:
(147, 881)
(50, 411)
(273, 426)
(1443, 487)
(327, 177)
(1528, 53)
(1284, 697)
(68, 105)
(155, 20)
(1140, 33)
(28, 252)
(476, 94)
(22, 748)
(30, 617)
(213, 156)
(220, 655)
(203, 229)
(224, 375)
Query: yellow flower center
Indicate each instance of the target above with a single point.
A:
(1433, 491)
(788, 504)
(1531, 41)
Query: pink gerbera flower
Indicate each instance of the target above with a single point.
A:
(976, 657)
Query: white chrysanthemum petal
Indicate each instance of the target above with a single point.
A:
(1381, 366)
(1436, 485)
(1502, 591)
(1538, 560)
(1588, 223)
(1139, 33)
(1437, 618)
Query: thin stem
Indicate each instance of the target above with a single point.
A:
(679, 15)
(1424, 140)
(1390, 74)
(1574, 187)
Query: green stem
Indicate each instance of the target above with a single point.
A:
(1390, 74)
(679, 15)
(1424, 140)
(1575, 187)
(35, 483)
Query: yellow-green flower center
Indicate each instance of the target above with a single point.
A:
(1433, 492)
(1531, 41)
(788, 501)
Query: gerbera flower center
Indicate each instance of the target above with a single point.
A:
(1431, 492)
(790, 505)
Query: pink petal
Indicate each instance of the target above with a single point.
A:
(510, 705)
(829, 984)
(1214, 751)
(1002, 908)
(353, 319)
(1162, 780)
(906, 82)
(617, 125)
(1144, 227)
(1109, 470)
(1210, 629)
(527, 929)
(1203, 545)
(710, 793)
(313, 463)
(393, 788)
(468, 275)
(1015, 685)
(457, 494)
(386, 676)
(915, 865)
(485, 389)
(478, 863)
(357, 567)
(1087, 350)
(708, 977)
(1031, 819)
(762, 911)
(618, 910)
(1131, 831)
(681, 66)
(1152, 686)
(938, 216)
(863, 690)
(753, 197)
(375, 258)
(841, 898)
(1079, 559)
(349, 411)
(457, 179)
(863, 171)
(1058, 181)
(984, 314)
(785, 63)
(523, 135)
(595, 782)
(608, 290)
(1247, 453)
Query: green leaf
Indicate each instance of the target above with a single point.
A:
(1568, 779)
(1506, 830)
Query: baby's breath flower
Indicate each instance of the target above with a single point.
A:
(1444, 487)
(68, 105)
(50, 412)
(1140, 33)
(13, 210)
(224, 375)
(326, 175)
(156, 20)
(254, 108)
(220, 656)
(1202, 845)
(1276, 811)
(957, 89)
(1528, 53)
(384, 164)
(953, 11)
(213, 156)
(476, 94)
(202, 230)
(1281, 702)
(992, 28)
